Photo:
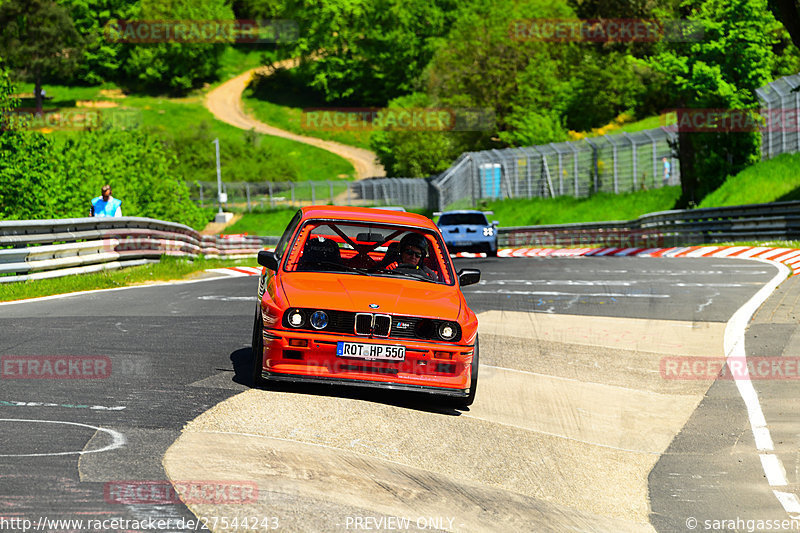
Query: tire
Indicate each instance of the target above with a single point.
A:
(257, 347)
(473, 383)
(491, 251)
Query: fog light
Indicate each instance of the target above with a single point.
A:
(319, 320)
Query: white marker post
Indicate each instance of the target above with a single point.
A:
(222, 197)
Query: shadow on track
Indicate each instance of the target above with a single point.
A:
(242, 360)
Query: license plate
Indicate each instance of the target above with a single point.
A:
(380, 352)
(463, 243)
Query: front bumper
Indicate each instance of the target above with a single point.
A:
(293, 378)
(483, 245)
(437, 367)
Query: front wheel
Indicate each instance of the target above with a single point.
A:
(257, 346)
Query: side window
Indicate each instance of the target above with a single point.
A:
(287, 234)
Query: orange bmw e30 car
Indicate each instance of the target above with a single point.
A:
(365, 297)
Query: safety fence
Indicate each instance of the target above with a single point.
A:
(37, 249)
(612, 163)
(409, 192)
(780, 103)
(757, 222)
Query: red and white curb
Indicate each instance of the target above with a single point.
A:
(788, 256)
(237, 271)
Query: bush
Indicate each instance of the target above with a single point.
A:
(41, 179)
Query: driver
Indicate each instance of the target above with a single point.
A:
(413, 249)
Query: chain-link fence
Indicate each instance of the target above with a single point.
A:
(611, 163)
(408, 192)
(780, 107)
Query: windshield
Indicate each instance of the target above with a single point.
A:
(362, 248)
(457, 219)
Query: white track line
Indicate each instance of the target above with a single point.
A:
(735, 350)
(117, 439)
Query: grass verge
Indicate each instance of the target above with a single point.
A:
(179, 119)
(169, 268)
(774, 180)
(267, 222)
(601, 207)
(279, 100)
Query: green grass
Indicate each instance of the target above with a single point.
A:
(237, 59)
(279, 100)
(172, 117)
(647, 123)
(774, 180)
(602, 207)
(170, 268)
(293, 119)
(269, 222)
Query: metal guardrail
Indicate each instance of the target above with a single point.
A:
(37, 249)
(756, 222)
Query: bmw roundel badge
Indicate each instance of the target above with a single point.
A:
(374, 306)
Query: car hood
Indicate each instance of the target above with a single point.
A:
(355, 293)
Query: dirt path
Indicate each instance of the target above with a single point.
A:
(225, 103)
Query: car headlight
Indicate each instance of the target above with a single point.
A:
(448, 330)
(296, 318)
(488, 232)
(319, 320)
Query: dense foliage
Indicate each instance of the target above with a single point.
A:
(176, 66)
(45, 178)
(721, 71)
(42, 178)
(39, 39)
(439, 54)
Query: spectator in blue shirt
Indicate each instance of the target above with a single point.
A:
(106, 205)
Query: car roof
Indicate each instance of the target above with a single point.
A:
(366, 214)
(463, 212)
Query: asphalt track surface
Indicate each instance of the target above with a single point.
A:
(176, 351)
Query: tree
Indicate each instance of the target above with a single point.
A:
(103, 58)
(788, 12)
(721, 71)
(39, 40)
(367, 51)
(176, 66)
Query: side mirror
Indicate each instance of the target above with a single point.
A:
(267, 258)
(468, 276)
(495, 223)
